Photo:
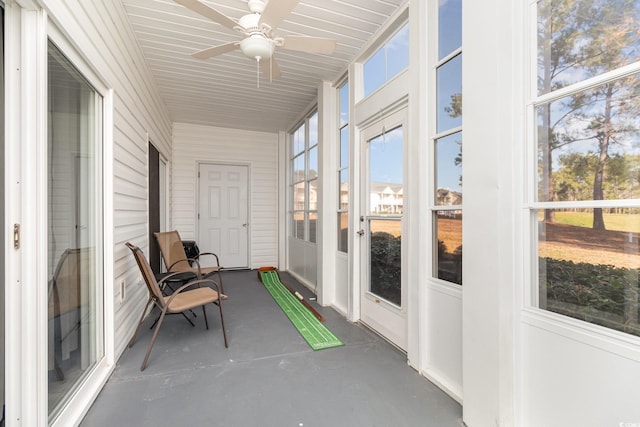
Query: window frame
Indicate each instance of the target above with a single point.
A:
(436, 135)
(342, 211)
(304, 179)
(532, 206)
(404, 25)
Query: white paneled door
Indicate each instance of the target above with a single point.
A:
(223, 213)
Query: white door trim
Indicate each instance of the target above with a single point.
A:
(199, 164)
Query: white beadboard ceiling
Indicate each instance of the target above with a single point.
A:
(221, 91)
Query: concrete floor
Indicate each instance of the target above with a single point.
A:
(268, 376)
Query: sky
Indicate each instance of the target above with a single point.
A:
(386, 157)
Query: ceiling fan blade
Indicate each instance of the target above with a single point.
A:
(309, 44)
(275, 11)
(270, 68)
(216, 50)
(208, 12)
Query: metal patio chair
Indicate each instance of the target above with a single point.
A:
(175, 258)
(186, 297)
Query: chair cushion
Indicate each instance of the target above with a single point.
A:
(191, 298)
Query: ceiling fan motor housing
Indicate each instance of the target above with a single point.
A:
(256, 6)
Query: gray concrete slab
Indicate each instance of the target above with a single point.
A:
(268, 376)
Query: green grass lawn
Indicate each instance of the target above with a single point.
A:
(617, 222)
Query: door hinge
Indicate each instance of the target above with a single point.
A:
(16, 236)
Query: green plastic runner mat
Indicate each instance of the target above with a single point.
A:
(315, 333)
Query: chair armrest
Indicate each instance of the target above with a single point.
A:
(187, 260)
(210, 253)
(169, 276)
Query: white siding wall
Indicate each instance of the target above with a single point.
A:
(193, 144)
(138, 111)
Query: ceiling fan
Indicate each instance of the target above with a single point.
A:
(257, 29)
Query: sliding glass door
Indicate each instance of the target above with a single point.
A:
(75, 229)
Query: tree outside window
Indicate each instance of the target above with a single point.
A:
(447, 146)
(586, 209)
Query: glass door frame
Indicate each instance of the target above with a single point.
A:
(385, 317)
(28, 29)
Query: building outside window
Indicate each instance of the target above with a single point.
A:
(304, 179)
(447, 146)
(585, 162)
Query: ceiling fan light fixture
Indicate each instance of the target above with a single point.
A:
(257, 46)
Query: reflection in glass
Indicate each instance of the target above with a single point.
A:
(344, 190)
(344, 104)
(298, 140)
(582, 39)
(449, 94)
(386, 195)
(313, 223)
(313, 163)
(449, 26)
(448, 257)
(385, 238)
(398, 52)
(299, 196)
(298, 168)
(589, 144)
(343, 231)
(374, 71)
(388, 61)
(344, 147)
(298, 225)
(449, 170)
(75, 337)
(591, 274)
(313, 130)
(313, 195)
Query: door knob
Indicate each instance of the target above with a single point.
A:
(361, 233)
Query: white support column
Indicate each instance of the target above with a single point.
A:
(492, 106)
(356, 90)
(328, 206)
(416, 210)
(283, 192)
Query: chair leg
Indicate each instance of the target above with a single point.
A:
(153, 340)
(224, 330)
(206, 322)
(135, 334)
(184, 315)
